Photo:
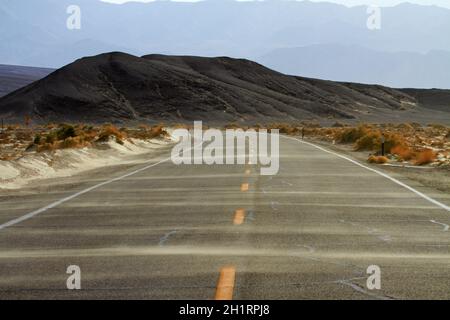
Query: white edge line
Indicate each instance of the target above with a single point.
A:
(57, 203)
(361, 290)
(446, 226)
(424, 196)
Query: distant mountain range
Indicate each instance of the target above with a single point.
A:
(359, 64)
(15, 77)
(122, 88)
(410, 50)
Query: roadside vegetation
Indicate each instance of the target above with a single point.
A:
(16, 140)
(406, 143)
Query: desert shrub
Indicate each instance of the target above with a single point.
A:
(377, 159)
(350, 135)
(51, 137)
(437, 126)
(46, 147)
(285, 128)
(182, 126)
(338, 124)
(65, 131)
(12, 127)
(24, 135)
(4, 135)
(232, 125)
(403, 152)
(110, 130)
(70, 142)
(392, 140)
(405, 126)
(37, 139)
(158, 131)
(447, 136)
(369, 141)
(310, 124)
(425, 156)
(415, 125)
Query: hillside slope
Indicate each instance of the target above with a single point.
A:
(117, 87)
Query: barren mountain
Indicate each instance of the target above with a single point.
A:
(121, 88)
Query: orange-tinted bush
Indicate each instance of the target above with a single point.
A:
(110, 130)
(158, 131)
(378, 159)
(425, 156)
(403, 152)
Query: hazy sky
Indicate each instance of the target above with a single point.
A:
(442, 3)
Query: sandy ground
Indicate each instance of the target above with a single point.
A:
(34, 167)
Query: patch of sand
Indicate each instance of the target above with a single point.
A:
(67, 162)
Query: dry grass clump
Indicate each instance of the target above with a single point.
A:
(158, 131)
(425, 156)
(437, 126)
(367, 137)
(287, 128)
(378, 159)
(404, 153)
(338, 124)
(111, 131)
(233, 125)
(350, 135)
(447, 135)
(183, 126)
(146, 132)
(372, 141)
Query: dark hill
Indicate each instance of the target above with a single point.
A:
(117, 87)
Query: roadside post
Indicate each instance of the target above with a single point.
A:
(383, 140)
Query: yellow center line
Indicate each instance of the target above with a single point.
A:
(244, 187)
(239, 217)
(225, 286)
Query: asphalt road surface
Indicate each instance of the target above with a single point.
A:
(207, 232)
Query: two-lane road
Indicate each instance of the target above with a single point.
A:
(161, 231)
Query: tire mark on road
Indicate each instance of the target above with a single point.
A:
(166, 237)
(372, 231)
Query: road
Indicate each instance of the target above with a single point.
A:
(207, 232)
